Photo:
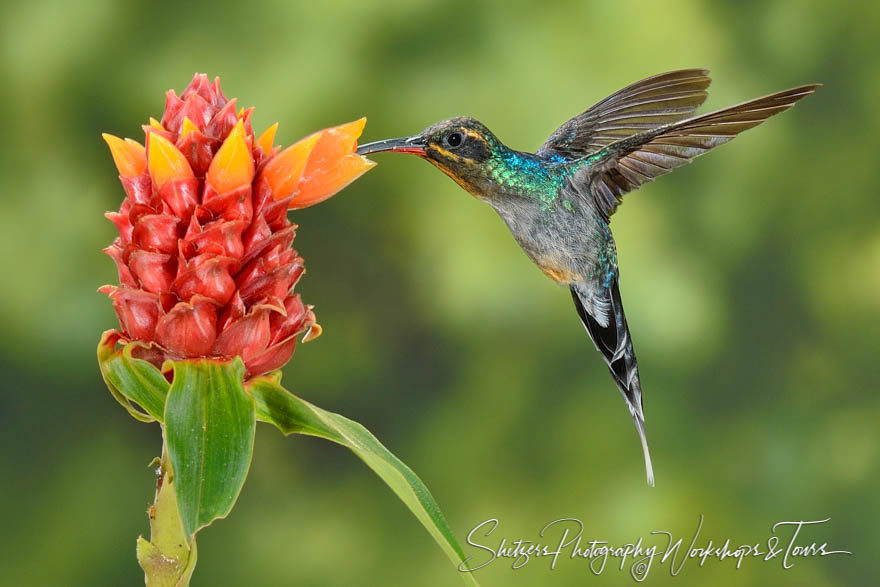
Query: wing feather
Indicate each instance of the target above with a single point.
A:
(637, 159)
(644, 105)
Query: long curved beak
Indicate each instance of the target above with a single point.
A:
(415, 145)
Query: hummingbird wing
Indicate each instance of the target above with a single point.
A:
(612, 339)
(628, 163)
(646, 104)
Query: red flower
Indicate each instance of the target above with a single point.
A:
(206, 267)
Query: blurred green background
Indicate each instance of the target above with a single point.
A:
(751, 281)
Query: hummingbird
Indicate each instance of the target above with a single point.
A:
(558, 201)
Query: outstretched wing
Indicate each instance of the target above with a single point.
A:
(628, 163)
(646, 104)
(612, 339)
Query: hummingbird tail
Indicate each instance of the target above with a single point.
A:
(640, 427)
(612, 339)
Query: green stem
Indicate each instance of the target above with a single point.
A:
(169, 558)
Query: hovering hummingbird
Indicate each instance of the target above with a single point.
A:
(557, 202)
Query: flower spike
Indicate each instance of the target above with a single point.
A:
(204, 251)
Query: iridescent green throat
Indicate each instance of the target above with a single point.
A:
(523, 174)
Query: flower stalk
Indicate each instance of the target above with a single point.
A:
(169, 557)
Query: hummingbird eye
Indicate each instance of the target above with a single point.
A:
(454, 139)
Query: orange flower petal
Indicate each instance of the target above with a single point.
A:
(267, 138)
(136, 145)
(326, 182)
(335, 143)
(233, 165)
(128, 155)
(166, 163)
(284, 170)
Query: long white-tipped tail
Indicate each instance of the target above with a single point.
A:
(612, 339)
(640, 427)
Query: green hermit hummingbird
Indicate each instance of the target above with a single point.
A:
(558, 201)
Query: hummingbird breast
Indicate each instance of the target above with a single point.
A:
(565, 237)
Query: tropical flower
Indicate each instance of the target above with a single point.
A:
(206, 267)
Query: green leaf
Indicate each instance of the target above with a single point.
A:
(291, 414)
(132, 380)
(209, 435)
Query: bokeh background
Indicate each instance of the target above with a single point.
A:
(751, 281)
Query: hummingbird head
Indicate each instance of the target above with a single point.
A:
(460, 147)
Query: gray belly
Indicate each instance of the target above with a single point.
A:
(564, 243)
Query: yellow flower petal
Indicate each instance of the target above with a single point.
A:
(187, 127)
(166, 163)
(267, 138)
(233, 165)
(156, 124)
(128, 155)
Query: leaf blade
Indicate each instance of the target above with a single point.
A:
(209, 434)
(132, 380)
(293, 415)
